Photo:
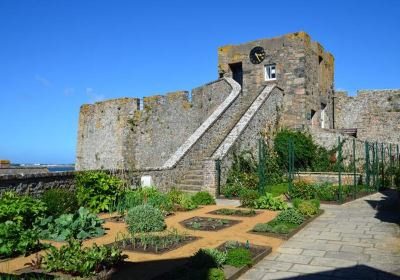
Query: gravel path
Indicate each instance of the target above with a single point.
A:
(357, 240)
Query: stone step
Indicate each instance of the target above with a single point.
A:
(187, 187)
(195, 172)
(196, 182)
(193, 176)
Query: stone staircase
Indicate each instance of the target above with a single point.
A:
(192, 181)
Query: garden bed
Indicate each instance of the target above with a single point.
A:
(208, 224)
(185, 271)
(257, 254)
(348, 198)
(293, 229)
(34, 273)
(135, 245)
(235, 212)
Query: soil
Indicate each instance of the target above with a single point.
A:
(208, 223)
(128, 246)
(137, 261)
(237, 213)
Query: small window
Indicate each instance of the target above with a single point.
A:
(270, 72)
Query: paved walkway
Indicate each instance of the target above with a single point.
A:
(358, 240)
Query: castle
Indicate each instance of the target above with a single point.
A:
(181, 138)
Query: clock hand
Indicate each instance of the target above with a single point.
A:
(258, 58)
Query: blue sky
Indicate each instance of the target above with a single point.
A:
(57, 55)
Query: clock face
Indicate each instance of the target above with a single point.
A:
(257, 55)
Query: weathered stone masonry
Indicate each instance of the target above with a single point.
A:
(176, 139)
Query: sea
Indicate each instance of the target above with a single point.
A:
(61, 168)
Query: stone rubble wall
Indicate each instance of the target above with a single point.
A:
(375, 114)
(306, 81)
(36, 184)
(264, 121)
(119, 134)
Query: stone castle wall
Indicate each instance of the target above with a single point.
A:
(375, 114)
(304, 72)
(119, 134)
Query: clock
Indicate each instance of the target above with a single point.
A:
(257, 55)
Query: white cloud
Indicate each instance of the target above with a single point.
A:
(42, 80)
(93, 96)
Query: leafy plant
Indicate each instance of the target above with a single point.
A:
(307, 209)
(238, 257)
(98, 190)
(80, 225)
(174, 195)
(231, 190)
(216, 274)
(218, 256)
(60, 201)
(326, 191)
(236, 212)
(248, 197)
(17, 240)
(145, 218)
(303, 189)
(186, 203)
(274, 227)
(21, 209)
(290, 215)
(78, 261)
(269, 202)
(156, 241)
(203, 198)
(201, 259)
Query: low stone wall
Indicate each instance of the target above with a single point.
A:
(36, 184)
(329, 177)
(15, 170)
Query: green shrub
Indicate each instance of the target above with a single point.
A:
(290, 215)
(80, 225)
(297, 201)
(216, 274)
(218, 256)
(202, 260)
(186, 203)
(238, 257)
(303, 189)
(78, 261)
(262, 227)
(203, 198)
(174, 195)
(60, 201)
(304, 148)
(274, 227)
(397, 178)
(248, 197)
(151, 196)
(21, 209)
(307, 209)
(17, 240)
(145, 218)
(98, 190)
(326, 192)
(230, 191)
(269, 202)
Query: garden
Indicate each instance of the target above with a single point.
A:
(101, 229)
(105, 230)
(293, 166)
